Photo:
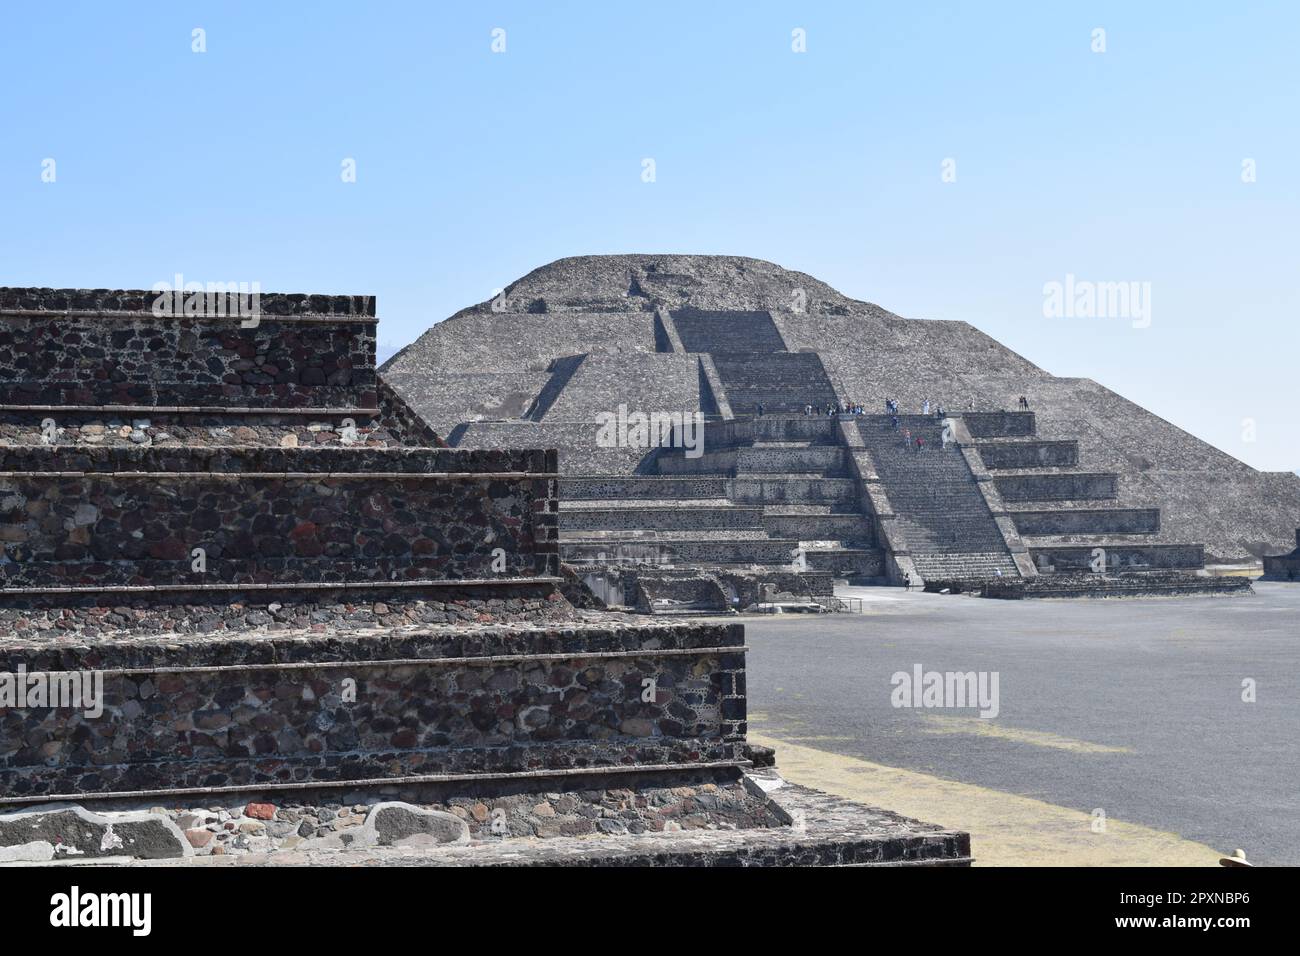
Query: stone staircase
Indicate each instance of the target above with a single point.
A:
(941, 517)
(1081, 538)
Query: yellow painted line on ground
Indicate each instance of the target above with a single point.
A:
(936, 724)
(1006, 829)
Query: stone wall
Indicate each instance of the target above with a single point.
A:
(235, 609)
(999, 424)
(867, 563)
(1203, 494)
(393, 704)
(817, 429)
(1088, 521)
(727, 331)
(488, 341)
(147, 427)
(113, 517)
(1057, 487)
(695, 553)
(855, 528)
(749, 586)
(132, 358)
(605, 488)
(1123, 557)
(234, 460)
(46, 303)
(675, 518)
(698, 590)
(1030, 454)
(740, 587)
(1079, 583)
(871, 355)
(774, 382)
(596, 808)
(800, 491)
(826, 459)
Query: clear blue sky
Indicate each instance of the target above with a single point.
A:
(475, 167)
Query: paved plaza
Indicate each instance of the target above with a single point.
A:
(1134, 707)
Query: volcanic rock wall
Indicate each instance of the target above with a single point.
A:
(135, 516)
(52, 357)
(383, 704)
(207, 470)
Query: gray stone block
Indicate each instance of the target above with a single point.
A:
(71, 831)
(396, 823)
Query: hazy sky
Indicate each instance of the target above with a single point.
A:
(474, 167)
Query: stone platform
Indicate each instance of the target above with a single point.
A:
(598, 740)
(712, 818)
(247, 597)
(601, 740)
(341, 706)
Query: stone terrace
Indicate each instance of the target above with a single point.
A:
(161, 471)
(293, 594)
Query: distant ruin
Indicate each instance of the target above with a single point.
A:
(1080, 493)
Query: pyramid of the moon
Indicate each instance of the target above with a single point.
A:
(570, 356)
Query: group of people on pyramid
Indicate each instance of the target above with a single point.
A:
(831, 409)
(891, 407)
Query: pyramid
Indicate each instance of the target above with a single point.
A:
(1019, 494)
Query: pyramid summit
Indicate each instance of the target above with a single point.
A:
(753, 348)
(641, 283)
